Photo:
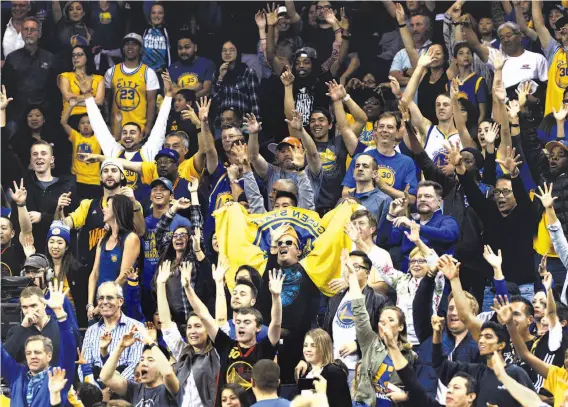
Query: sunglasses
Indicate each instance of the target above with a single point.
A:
(285, 243)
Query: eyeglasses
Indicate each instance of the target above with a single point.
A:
(78, 55)
(372, 102)
(101, 298)
(182, 235)
(358, 267)
(327, 7)
(504, 192)
(418, 261)
(165, 161)
(507, 36)
(285, 243)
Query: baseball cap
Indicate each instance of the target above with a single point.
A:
(288, 141)
(36, 261)
(112, 161)
(163, 181)
(306, 52)
(561, 22)
(561, 143)
(168, 152)
(134, 37)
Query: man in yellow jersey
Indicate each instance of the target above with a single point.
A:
(555, 53)
(132, 86)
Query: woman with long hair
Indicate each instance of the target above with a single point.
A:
(376, 379)
(83, 65)
(233, 395)
(156, 40)
(234, 84)
(70, 27)
(118, 250)
(318, 353)
(197, 362)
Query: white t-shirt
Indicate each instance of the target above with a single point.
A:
(152, 79)
(529, 65)
(343, 329)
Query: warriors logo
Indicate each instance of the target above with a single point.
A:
(240, 373)
(188, 80)
(386, 174)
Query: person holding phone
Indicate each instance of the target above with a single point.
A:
(318, 353)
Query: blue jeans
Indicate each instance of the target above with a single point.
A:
(527, 291)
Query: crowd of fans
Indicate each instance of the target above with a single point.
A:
(359, 206)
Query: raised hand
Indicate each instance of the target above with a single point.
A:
(546, 196)
(4, 99)
(547, 280)
(347, 264)
(182, 203)
(351, 230)
(455, 11)
(287, 77)
(296, 122)
(448, 268)
(276, 234)
(196, 240)
(104, 341)
(502, 308)
(168, 86)
(426, 59)
(354, 83)
(344, 22)
(189, 114)
(329, 17)
(164, 272)
(19, 194)
(497, 59)
(186, 269)
(453, 155)
(128, 338)
(542, 265)
(513, 108)
(275, 282)
(252, 125)
(492, 133)
(241, 154)
(454, 89)
(151, 331)
(271, 14)
(523, 93)
(511, 161)
(260, 19)
(56, 295)
(28, 245)
(437, 323)
(400, 15)
(128, 192)
(404, 111)
(192, 185)
(397, 207)
(57, 379)
(387, 337)
(499, 90)
(560, 115)
(203, 107)
(494, 260)
(298, 157)
(64, 200)
(335, 91)
(395, 87)
(498, 365)
(221, 269)
(414, 235)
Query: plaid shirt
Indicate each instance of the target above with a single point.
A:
(164, 240)
(241, 95)
(33, 385)
(129, 357)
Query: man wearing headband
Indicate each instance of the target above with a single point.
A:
(89, 215)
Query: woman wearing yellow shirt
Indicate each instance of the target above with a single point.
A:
(68, 83)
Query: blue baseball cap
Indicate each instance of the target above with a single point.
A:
(551, 144)
(163, 181)
(168, 152)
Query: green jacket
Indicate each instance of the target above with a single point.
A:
(374, 353)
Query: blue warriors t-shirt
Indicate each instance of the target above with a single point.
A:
(220, 195)
(134, 180)
(191, 76)
(396, 171)
(381, 381)
(151, 255)
(473, 88)
(155, 49)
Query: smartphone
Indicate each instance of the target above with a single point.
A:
(305, 384)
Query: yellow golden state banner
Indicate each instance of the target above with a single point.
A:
(245, 239)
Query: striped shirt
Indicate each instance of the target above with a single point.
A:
(129, 357)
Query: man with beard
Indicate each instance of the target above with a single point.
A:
(158, 384)
(132, 88)
(509, 218)
(132, 135)
(89, 215)
(438, 231)
(290, 155)
(191, 71)
(43, 191)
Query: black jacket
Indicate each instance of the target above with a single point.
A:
(374, 302)
(78, 279)
(45, 202)
(337, 392)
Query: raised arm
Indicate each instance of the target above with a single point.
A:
(19, 195)
(206, 140)
(481, 50)
(288, 81)
(451, 271)
(108, 375)
(258, 162)
(406, 35)
(65, 116)
(276, 280)
(525, 29)
(522, 394)
(219, 273)
(338, 94)
(298, 131)
(463, 132)
(162, 363)
(198, 306)
(158, 129)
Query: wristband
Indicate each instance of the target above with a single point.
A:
(345, 37)
(20, 205)
(402, 25)
(346, 98)
(336, 31)
(137, 209)
(152, 345)
(198, 251)
(514, 124)
(62, 318)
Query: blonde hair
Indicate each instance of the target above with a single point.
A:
(416, 251)
(474, 305)
(322, 341)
